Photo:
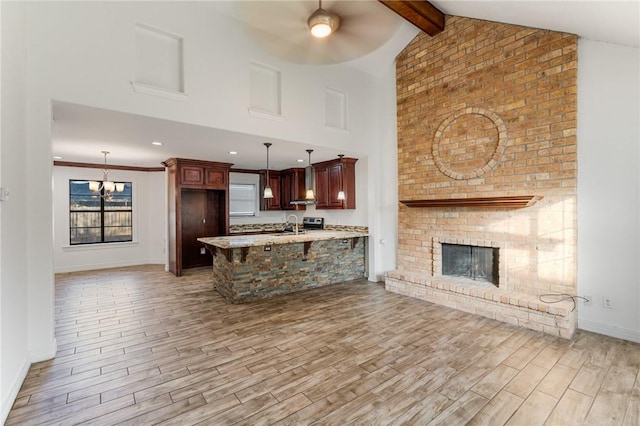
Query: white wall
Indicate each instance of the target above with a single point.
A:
(609, 187)
(92, 62)
(15, 354)
(383, 181)
(149, 226)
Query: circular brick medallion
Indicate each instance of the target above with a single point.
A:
(469, 143)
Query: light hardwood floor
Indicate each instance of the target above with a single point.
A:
(140, 346)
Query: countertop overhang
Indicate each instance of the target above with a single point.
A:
(238, 241)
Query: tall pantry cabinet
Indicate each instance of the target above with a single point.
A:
(198, 203)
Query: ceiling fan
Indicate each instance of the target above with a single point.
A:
(283, 28)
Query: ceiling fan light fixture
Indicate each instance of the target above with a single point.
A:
(323, 22)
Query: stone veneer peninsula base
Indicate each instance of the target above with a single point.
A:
(253, 267)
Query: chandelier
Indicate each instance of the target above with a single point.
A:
(106, 188)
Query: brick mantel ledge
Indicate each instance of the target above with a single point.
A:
(526, 310)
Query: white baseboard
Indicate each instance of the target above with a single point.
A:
(106, 265)
(16, 384)
(607, 330)
(44, 354)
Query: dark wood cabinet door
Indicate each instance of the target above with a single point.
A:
(335, 185)
(274, 203)
(292, 183)
(274, 182)
(286, 182)
(331, 177)
(216, 178)
(322, 188)
(202, 216)
(190, 175)
(194, 216)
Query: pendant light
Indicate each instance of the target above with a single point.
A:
(309, 178)
(341, 195)
(267, 189)
(323, 22)
(108, 186)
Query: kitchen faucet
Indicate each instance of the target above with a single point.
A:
(296, 219)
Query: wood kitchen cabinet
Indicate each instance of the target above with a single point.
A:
(274, 182)
(198, 201)
(333, 176)
(293, 188)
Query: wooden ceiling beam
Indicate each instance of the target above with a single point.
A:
(420, 13)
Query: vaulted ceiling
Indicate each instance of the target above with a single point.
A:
(370, 33)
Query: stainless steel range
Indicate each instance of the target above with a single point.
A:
(310, 223)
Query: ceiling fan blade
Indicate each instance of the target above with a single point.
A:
(281, 28)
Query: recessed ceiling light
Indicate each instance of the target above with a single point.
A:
(233, 152)
(156, 143)
(300, 160)
(57, 157)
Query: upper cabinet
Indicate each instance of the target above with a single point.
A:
(201, 174)
(274, 182)
(286, 186)
(331, 177)
(293, 188)
(334, 176)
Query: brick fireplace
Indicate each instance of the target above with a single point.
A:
(487, 157)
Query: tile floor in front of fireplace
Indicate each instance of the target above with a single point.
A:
(140, 346)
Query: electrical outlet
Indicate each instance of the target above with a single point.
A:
(606, 303)
(589, 301)
(203, 250)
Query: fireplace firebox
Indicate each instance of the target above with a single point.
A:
(473, 262)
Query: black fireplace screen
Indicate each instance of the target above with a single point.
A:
(476, 263)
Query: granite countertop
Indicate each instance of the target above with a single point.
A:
(231, 241)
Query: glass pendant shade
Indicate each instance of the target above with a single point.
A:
(310, 195)
(267, 192)
(341, 195)
(119, 187)
(94, 186)
(109, 186)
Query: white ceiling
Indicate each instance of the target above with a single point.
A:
(79, 133)
(612, 21)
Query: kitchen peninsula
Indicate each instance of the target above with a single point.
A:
(253, 267)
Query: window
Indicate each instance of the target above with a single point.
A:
(92, 219)
(242, 199)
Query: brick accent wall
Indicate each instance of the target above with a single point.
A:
(488, 109)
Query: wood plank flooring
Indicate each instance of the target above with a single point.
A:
(138, 346)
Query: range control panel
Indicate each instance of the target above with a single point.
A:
(313, 222)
